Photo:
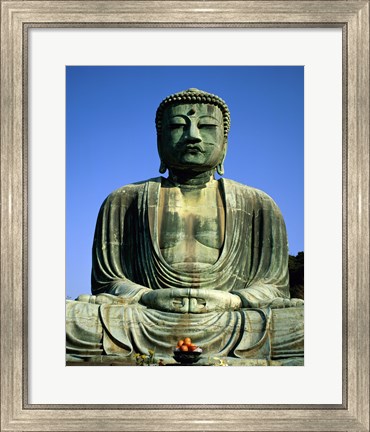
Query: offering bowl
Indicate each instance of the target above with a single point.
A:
(187, 357)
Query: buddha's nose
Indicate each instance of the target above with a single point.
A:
(193, 133)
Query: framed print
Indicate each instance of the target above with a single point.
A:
(264, 148)
(331, 392)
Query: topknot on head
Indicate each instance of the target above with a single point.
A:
(193, 95)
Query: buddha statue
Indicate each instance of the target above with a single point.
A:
(187, 254)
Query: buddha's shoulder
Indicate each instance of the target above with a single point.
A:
(131, 191)
(247, 190)
(248, 195)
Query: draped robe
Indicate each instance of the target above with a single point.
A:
(127, 262)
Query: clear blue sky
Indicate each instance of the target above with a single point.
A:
(111, 140)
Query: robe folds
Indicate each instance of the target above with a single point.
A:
(127, 262)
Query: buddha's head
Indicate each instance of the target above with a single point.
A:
(192, 128)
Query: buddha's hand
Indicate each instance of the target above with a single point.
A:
(206, 300)
(167, 299)
(185, 300)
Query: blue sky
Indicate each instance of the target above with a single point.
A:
(111, 140)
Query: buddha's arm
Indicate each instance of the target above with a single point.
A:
(109, 273)
(268, 281)
(116, 289)
(127, 290)
(261, 295)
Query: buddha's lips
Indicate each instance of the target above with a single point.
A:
(193, 148)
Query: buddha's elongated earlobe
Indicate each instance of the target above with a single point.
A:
(220, 168)
(162, 167)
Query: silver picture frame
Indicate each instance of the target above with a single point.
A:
(17, 18)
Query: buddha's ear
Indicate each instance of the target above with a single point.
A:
(162, 166)
(220, 167)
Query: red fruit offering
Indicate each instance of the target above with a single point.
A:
(187, 341)
(192, 347)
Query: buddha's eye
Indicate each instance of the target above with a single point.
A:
(207, 126)
(176, 125)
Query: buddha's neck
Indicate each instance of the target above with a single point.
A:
(191, 180)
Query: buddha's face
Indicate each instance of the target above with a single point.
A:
(192, 137)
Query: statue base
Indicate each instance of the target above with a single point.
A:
(114, 360)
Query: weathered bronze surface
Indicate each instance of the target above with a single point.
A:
(189, 255)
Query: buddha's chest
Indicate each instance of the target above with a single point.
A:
(191, 225)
